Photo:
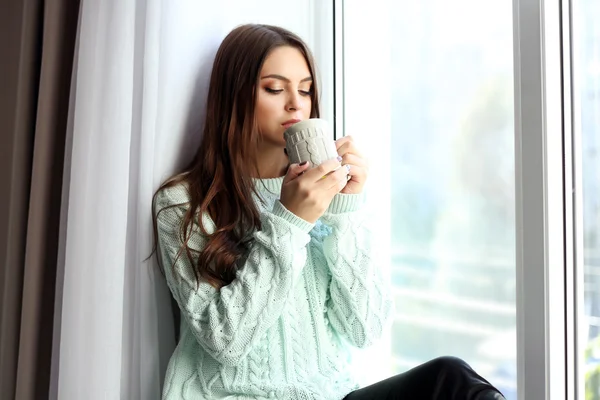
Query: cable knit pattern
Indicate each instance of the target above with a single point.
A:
(359, 304)
(313, 150)
(283, 328)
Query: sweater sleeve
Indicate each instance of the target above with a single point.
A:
(360, 303)
(227, 322)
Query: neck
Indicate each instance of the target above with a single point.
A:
(272, 162)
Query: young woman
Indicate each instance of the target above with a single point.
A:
(272, 265)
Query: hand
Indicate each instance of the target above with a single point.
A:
(308, 193)
(359, 167)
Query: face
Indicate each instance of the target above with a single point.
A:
(284, 90)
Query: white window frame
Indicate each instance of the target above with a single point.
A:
(322, 43)
(546, 259)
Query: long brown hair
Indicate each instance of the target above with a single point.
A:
(217, 178)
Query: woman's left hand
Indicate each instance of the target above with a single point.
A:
(359, 167)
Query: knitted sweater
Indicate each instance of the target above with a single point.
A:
(284, 327)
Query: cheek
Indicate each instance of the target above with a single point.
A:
(308, 108)
(266, 105)
(262, 111)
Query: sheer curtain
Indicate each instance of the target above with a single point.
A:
(140, 79)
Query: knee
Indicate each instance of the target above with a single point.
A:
(450, 363)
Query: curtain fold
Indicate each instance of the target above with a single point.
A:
(19, 70)
(36, 70)
(35, 346)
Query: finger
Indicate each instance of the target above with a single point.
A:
(337, 178)
(354, 159)
(342, 141)
(294, 171)
(358, 174)
(324, 169)
(349, 148)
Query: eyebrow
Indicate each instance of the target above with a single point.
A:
(283, 78)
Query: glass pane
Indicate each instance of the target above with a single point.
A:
(587, 70)
(452, 211)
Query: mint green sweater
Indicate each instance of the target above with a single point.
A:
(284, 327)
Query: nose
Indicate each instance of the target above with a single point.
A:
(294, 102)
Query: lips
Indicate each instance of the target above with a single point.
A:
(289, 123)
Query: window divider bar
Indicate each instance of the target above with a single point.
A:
(570, 290)
(540, 201)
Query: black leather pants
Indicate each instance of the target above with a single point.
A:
(444, 378)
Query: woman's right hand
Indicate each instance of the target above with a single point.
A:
(308, 193)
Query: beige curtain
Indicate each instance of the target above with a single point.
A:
(37, 41)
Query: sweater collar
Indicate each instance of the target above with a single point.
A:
(271, 185)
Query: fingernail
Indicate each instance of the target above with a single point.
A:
(348, 167)
(339, 158)
(303, 163)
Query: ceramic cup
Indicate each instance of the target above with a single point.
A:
(310, 140)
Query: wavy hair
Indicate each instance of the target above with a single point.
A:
(217, 177)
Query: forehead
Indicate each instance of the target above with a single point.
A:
(287, 61)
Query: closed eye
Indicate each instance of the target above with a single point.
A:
(273, 91)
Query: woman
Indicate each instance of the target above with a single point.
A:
(272, 265)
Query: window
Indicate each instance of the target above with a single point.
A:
(428, 91)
